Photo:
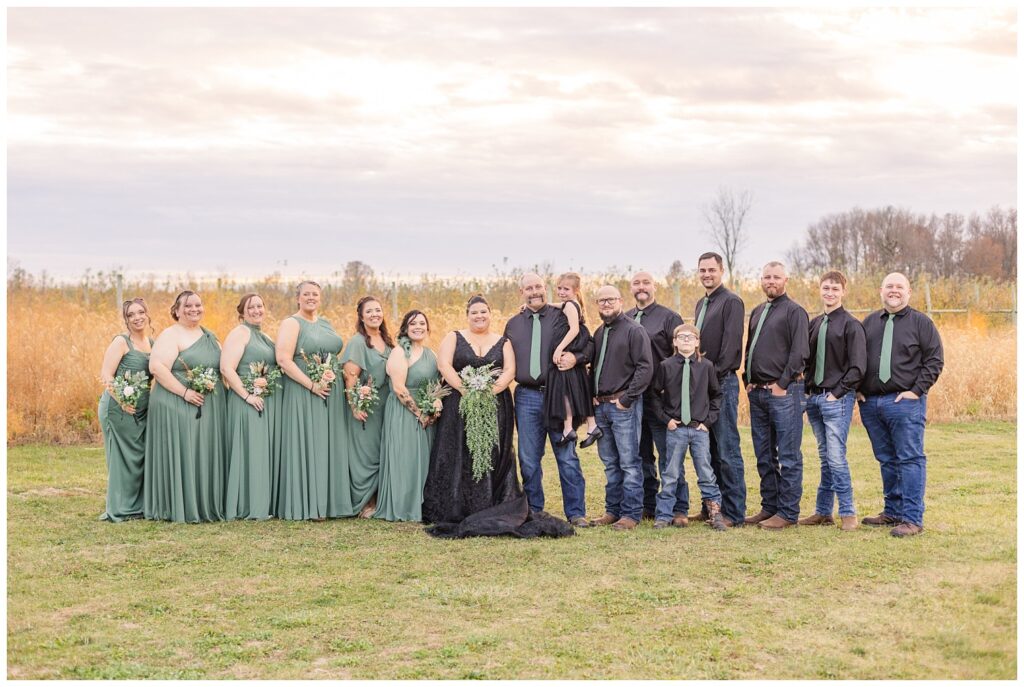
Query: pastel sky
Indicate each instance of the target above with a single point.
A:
(444, 141)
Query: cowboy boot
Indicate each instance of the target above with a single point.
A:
(715, 519)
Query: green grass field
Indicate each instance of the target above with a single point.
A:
(358, 599)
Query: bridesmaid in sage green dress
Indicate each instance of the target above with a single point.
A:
(251, 415)
(408, 433)
(185, 464)
(124, 427)
(308, 414)
(366, 358)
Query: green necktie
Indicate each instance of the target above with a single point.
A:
(703, 310)
(819, 356)
(600, 358)
(639, 314)
(684, 393)
(757, 333)
(885, 364)
(535, 348)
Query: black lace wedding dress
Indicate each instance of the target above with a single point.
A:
(456, 504)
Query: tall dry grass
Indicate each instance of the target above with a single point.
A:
(56, 337)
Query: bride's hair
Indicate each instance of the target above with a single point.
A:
(478, 298)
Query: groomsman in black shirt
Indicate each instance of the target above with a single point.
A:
(835, 367)
(719, 318)
(905, 359)
(620, 377)
(659, 322)
(776, 354)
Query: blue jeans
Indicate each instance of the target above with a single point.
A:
(896, 431)
(676, 443)
(619, 449)
(532, 426)
(776, 427)
(726, 458)
(830, 421)
(652, 436)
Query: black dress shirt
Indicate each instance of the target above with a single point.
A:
(627, 361)
(553, 328)
(916, 353)
(705, 394)
(721, 332)
(846, 356)
(781, 350)
(659, 322)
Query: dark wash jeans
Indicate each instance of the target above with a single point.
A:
(652, 436)
(532, 426)
(619, 449)
(776, 427)
(896, 431)
(726, 457)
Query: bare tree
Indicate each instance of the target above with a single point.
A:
(725, 217)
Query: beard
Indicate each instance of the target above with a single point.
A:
(608, 319)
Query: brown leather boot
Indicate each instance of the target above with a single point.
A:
(776, 522)
(849, 523)
(817, 520)
(715, 519)
(680, 520)
(906, 529)
(624, 524)
(879, 520)
(754, 519)
(605, 519)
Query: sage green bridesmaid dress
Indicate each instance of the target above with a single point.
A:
(364, 438)
(186, 468)
(124, 438)
(302, 465)
(405, 449)
(250, 438)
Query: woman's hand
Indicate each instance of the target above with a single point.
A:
(360, 415)
(255, 401)
(320, 389)
(128, 408)
(194, 397)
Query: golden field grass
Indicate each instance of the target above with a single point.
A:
(56, 337)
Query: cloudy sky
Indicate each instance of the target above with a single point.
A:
(444, 141)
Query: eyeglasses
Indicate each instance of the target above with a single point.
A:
(685, 337)
(608, 301)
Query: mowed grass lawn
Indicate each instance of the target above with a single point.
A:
(358, 599)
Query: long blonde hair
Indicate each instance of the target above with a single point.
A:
(575, 281)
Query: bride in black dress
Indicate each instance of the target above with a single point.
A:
(456, 504)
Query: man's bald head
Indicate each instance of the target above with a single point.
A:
(895, 292)
(609, 302)
(642, 287)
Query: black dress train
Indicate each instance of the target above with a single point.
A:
(456, 504)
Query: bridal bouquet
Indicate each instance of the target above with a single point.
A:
(127, 390)
(201, 379)
(363, 397)
(262, 380)
(320, 368)
(479, 410)
(428, 398)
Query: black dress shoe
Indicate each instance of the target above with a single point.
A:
(566, 438)
(592, 437)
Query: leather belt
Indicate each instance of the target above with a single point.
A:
(610, 398)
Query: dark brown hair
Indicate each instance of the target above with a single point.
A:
(244, 303)
(361, 326)
(403, 329)
(710, 256)
(477, 298)
(179, 299)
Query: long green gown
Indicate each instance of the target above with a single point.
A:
(302, 467)
(185, 462)
(124, 438)
(405, 449)
(364, 438)
(250, 439)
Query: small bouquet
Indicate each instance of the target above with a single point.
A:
(262, 380)
(428, 398)
(479, 409)
(363, 397)
(320, 368)
(201, 379)
(127, 390)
